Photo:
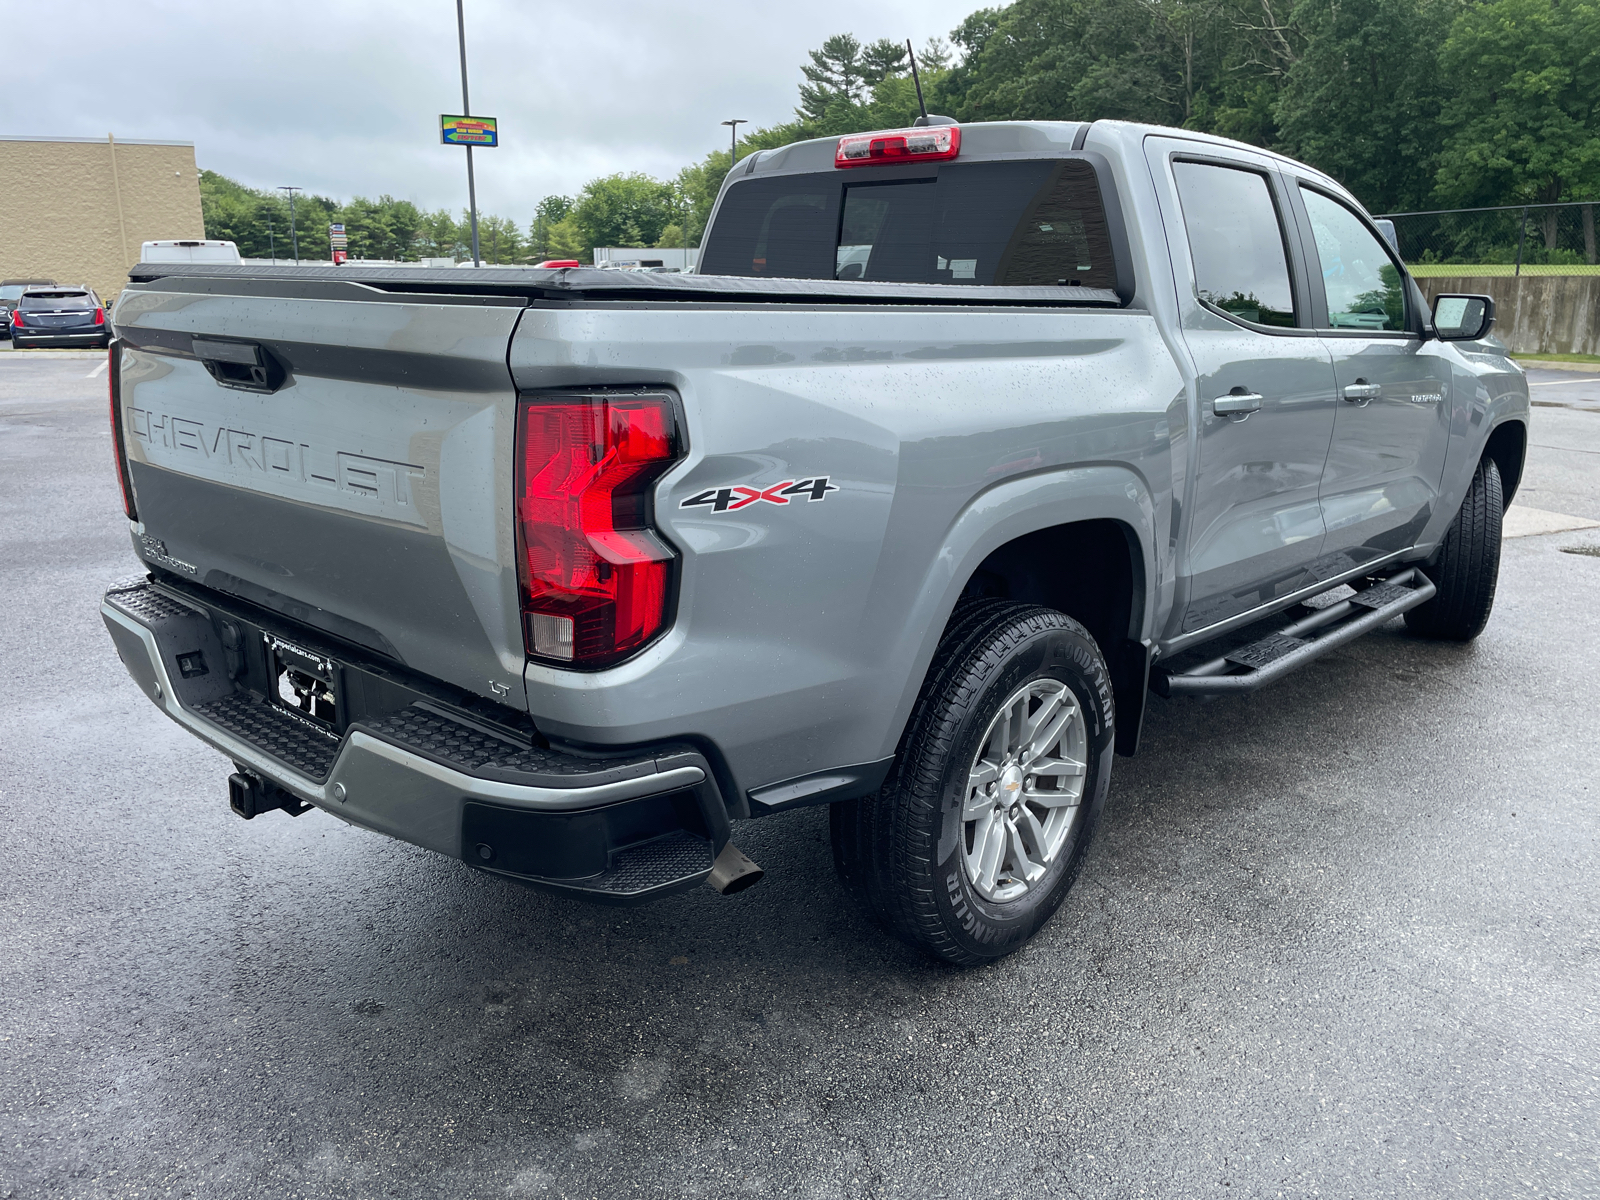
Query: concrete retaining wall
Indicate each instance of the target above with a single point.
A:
(1536, 314)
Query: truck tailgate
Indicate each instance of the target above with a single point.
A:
(350, 481)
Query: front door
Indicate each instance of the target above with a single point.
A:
(1392, 427)
(1265, 418)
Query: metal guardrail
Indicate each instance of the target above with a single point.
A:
(1514, 239)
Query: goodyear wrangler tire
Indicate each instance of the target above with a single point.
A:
(1467, 568)
(981, 827)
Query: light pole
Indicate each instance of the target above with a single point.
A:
(733, 148)
(294, 238)
(466, 111)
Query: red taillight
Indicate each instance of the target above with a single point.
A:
(932, 143)
(595, 578)
(16, 317)
(99, 316)
(114, 387)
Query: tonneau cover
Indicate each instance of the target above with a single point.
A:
(589, 283)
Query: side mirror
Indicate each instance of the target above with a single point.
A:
(1463, 318)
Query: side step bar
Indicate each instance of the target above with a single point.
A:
(1260, 663)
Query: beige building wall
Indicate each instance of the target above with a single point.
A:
(76, 209)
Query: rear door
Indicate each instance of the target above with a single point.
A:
(336, 454)
(1392, 428)
(1253, 523)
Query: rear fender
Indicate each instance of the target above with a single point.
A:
(1009, 511)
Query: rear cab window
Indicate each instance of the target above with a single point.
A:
(1018, 223)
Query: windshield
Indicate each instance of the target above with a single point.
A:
(10, 291)
(1002, 223)
(72, 299)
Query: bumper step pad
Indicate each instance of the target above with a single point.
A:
(619, 827)
(298, 746)
(1271, 658)
(487, 756)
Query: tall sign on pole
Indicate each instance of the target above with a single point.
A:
(466, 107)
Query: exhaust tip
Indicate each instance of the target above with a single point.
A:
(733, 872)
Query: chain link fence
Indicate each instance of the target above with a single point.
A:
(1532, 239)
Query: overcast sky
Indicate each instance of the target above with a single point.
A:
(351, 106)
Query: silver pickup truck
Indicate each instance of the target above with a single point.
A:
(963, 440)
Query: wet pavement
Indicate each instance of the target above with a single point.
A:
(1339, 939)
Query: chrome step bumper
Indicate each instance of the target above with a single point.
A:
(623, 828)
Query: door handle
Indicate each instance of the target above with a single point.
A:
(1361, 391)
(1236, 401)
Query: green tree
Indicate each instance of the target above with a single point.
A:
(934, 55)
(499, 240)
(1201, 64)
(1362, 100)
(567, 240)
(623, 210)
(1523, 122)
(439, 236)
(835, 70)
(546, 214)
(881, 60)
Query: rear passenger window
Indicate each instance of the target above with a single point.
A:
(1236, 241)
(1031, 222)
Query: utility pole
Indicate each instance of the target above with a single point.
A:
(294, 237)
(466, 111)
(733, 149)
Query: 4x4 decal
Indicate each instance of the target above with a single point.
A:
(726, 499)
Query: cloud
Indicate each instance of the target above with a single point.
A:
(344, 98)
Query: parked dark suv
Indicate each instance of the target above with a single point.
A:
(10, 292)
(59, 316)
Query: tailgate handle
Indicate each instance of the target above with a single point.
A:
(243, 365)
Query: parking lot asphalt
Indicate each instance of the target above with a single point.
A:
(1339, 939)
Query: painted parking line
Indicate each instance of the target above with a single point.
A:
(1562, 382)
(103, 365)
(1530, 522)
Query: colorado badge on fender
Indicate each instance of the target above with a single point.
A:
(727, 499)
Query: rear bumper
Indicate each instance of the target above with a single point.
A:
(621, 828)
(99, 333)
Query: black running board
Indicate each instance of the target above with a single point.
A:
(1260, 663)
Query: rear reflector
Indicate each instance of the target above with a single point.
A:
(932, 144)
(595, 578)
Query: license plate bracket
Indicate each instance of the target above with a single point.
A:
(303, 683)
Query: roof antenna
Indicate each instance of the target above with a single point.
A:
(924, 119)
(917, 79)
